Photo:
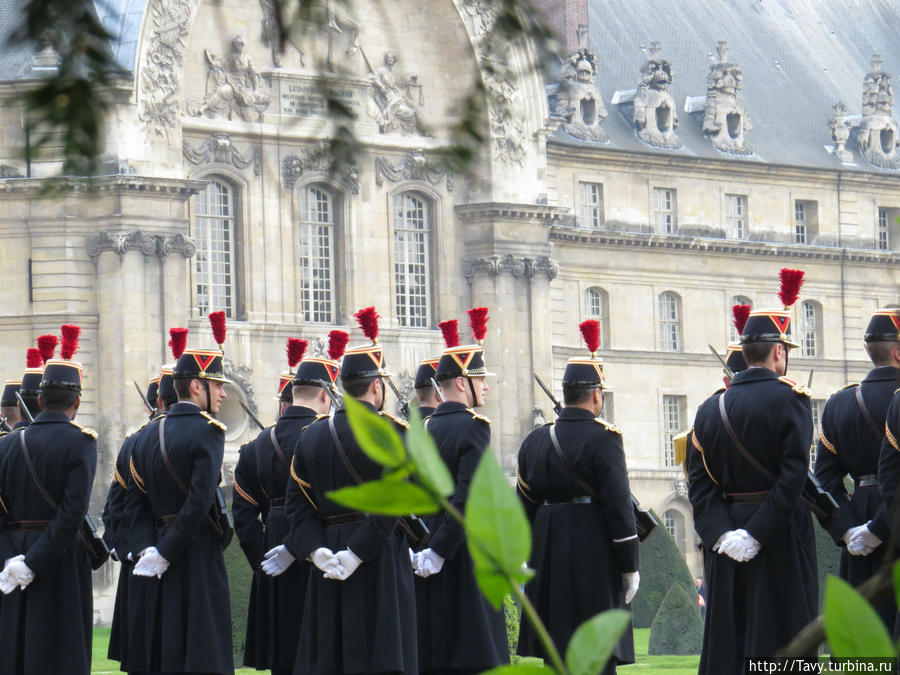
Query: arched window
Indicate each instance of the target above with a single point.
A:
(674, 522)
(733, 335)
(810, 333)
(215, 263)
(318, 216)
(412, 259)
(596, 307)
(669, 322)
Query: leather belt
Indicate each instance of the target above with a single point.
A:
(870, 480)
(580, 499)
(27, 525)
(343, 519)
(276, 503)
(166, 521)
(746, 497)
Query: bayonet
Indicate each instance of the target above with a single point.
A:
(250, 413)
(557, 407)
(144, 399)
(404, 404)
(25, 410)
(437, 390)
(728, 372)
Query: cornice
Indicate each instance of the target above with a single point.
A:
(52, 187)
(507, 211)
(580, 236)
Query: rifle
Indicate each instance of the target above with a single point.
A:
(250, 413)
(809, 379)
(144, 399)
(728, 372)
(334, 397)
(644, 521)
(25, 410)
(4, 425)
(437, 390)
(404, 404)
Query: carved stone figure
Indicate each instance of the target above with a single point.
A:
(878, 135)
(233, 86)
(391, 103)
(269, 34)
(840, 131)
(578, 100)
(655, 115)
(725, 119)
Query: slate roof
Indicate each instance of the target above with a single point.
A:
(799, 57)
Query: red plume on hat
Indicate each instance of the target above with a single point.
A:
(33, 358)
(217, 323)
(450, 330)
(791, 282)
(178, 341)
(296, 348)
(47, 345)
(478, 318)
(367, 318)
(337, 343)
(590, 331)
(740, 314)
(70, 335)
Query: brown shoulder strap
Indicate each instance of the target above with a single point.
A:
(34, 476)
(165, 455)
(740, 446)
(568, 467)
(866, 414)
(278, 450)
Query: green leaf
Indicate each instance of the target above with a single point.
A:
(497, 531)
(388, 498)
(852, 625)
(430, 468)
(520, 668)
(593, 642)
(375, 434)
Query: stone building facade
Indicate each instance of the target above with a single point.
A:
(646, 185)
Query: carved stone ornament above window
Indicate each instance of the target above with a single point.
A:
(725, 119)
(317, 158)
(578, 101)
(120, 242)
(877, 136)
(496, 265)
(219, 148)
(414, 166)
(655, 115)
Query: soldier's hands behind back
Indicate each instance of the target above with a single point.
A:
(739, 545)
(323, 558)
(862, 541)
(15, 574)
(151, 564)
(428, 562)
(630, 582)
(277, 560)
(348, 561)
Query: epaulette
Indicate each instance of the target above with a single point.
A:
(478, 416)
(680, 443)
(850, 386)
(801, 389)
(397, 420)
(212, 420)
(609, 427)
(84, 430)
(3, 433)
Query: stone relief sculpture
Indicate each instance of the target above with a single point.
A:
(877, 135)
(219, 148)
(391, 103)
(415, 166)
(655, 114)
(269, 34)
(725, 118)
(578, 100)
(233, 87)
(840, 131)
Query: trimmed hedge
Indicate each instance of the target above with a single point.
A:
(661, 566)
(677, 628)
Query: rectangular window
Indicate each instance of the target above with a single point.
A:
(316, 255)
(609, 407)
(817, 405)
(591, 205)
(669, 323)
(674, 412)
(412, 225)
(214, 228)
(736, 216)
(664, 210)
(809, 330)
(806, 221)
(887, 223)
(799, 223)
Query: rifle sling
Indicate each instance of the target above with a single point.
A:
(562, 458)
(278, 450)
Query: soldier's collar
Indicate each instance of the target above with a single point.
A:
(296, 411)
(575, 414)
(448, 407)
(883, 374)
(754, 374)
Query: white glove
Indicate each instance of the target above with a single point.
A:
(151, 564)
(412, 558)
(16, 574)
(427, 562)
(630, 581)
(739, 545)
(323, 558)
(277, 560)
(863, 542)
(848, 535)
(347, 561)
(721, 539)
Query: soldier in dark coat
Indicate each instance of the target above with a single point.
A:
(761, 567)
(360, 615)
(46, 617)
(459, 630)
(577, 497)
(426, 395)
(260, 481)
(9, 406)
(179, 610)
(851, 432)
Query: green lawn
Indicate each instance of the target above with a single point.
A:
(671, 665)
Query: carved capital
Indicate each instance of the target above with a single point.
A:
(219, 148)
(541, 265)
(165, 245)
(496, 265)
(414, 166)
(120, 242)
